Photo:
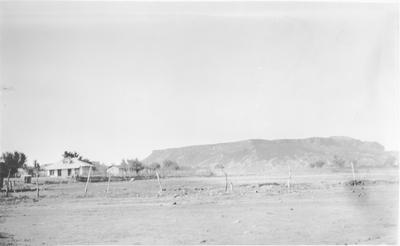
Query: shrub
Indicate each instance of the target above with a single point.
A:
(168, 164)
(317, 164)
(338, 161)
(154, 166)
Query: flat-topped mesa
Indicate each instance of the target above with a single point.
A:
(261, 154)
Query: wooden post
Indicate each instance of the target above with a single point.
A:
(159, 183)
(37, 185)
(354, 175)
(87, 181)
(289, 179)
(8, 182)
(226, 182)
(36, 165)
(108, 183)
(231, 185)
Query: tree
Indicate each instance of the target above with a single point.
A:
(135, 165)
(9, 164)
(168, 164)
(36, 165)
(70, 154)
(154, 166)
(99, 168)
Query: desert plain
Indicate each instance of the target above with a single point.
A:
(318, 208)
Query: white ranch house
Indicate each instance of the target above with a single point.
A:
(68, 167)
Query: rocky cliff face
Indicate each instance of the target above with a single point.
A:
(259, 154)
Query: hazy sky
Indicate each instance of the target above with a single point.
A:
(117, 80)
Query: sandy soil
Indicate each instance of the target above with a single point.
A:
(320, 209)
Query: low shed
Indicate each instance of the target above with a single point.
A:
(115, 170)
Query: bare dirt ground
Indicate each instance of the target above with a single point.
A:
(320, 209)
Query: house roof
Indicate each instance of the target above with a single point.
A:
(67, 163)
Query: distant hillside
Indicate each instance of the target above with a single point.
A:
(258, 154)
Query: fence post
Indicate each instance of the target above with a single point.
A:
(159, 183)
(8, 182)
(108, 183)
(289, 179)
(87, 181)
(37, 185)
(226, 182)
(354, 175)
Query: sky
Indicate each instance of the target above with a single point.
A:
(115, 80)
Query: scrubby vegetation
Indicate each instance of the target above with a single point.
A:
(317, 164)
(168, 164)
(339, 161)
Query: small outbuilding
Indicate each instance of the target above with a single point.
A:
(68, 167)
(115, 170)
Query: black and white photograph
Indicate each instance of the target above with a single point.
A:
(199, 122)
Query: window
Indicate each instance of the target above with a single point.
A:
(59, 172)
(69, 172)
(51, 172)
